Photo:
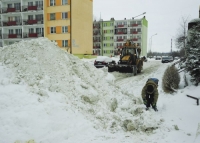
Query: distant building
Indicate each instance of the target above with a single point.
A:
(109, 36)
(68, 22)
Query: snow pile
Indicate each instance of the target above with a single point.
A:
(46, 69)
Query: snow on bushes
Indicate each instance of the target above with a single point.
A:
(171, 79)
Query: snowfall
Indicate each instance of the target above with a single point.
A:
(50, 96)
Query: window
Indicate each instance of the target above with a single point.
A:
(139, 30)
(53, 30)
(9, 5)
(39, 30)
(18, 31)
(39, 3)
(17, 6)
(17, 18)
(119, 23)
(30, 3)
(9, 43)
(64, 29)
(64, 2)
(10, 31)
(11, 18)
(64, 15)
(64, 43)
(31, 30)
(30, 17)
(52, 16)
(39, 17)
(52, 2)
(139, 22)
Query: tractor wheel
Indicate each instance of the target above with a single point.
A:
(139, 70)
(139, 67)
(109, 69)
(134, 70)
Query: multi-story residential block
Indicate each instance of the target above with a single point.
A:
(114, 33)
(97, 37)
(68, 22)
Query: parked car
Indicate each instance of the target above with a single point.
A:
(158, 58)
(176, 58)
(103, 61)
(167, 59)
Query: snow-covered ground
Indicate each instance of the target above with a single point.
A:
(48, 96)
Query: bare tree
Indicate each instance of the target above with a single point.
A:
(180, 40)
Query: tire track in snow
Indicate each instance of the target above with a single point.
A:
(146, 72)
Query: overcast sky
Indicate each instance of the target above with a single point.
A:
(163, 16)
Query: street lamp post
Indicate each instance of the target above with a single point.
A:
(139, 15)
(151, 42)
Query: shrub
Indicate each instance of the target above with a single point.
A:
(171, 79)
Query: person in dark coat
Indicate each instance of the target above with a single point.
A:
(150, 93)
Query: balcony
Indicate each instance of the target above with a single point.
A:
(12, 23)
(96, 33)
(134, 25)
(121, 32)
(96, 40)
(32, 21)
(133, 32)
(120, 40)
(11, 9)
(11, 36)
(32, 8)
(96, 27)
(120, 25)
(32, 35)
(134, 39)
(96, 47)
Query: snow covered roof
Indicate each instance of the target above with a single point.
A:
(195, 20)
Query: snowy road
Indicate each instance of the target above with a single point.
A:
(148, 69)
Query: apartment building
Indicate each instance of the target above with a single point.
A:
(68, 22)
(114, 33)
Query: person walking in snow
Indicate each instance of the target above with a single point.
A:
(150, 93)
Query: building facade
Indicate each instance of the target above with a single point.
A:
(109, 36)
(68, 22)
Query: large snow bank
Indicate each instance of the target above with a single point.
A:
(47, 70)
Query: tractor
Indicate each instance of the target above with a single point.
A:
(130, 61)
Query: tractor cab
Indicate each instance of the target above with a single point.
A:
(129, 53)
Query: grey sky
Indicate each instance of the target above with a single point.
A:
(164, 16)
